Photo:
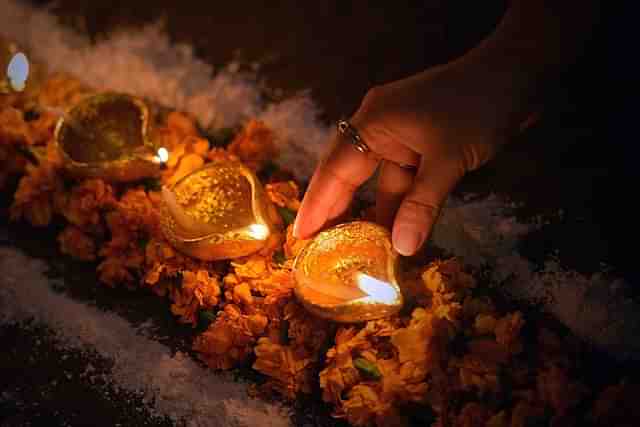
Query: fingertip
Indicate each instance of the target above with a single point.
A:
(407, 239)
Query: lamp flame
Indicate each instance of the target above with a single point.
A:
(162, 156)
(377, 290)
(18, 71)
(258, 231)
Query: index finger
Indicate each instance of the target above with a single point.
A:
(331, 189)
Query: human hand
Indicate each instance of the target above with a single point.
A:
(446, 121)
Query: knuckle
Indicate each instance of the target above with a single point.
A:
(419, 211)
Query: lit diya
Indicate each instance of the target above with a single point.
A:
(349, 274)
(106, 136)
(219, 211)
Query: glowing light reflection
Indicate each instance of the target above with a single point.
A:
(258, 231)
(18, 71)
(377, 290)
(162, 156)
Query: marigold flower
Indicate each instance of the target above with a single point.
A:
(33, 199)
(254, 145)
(86, 202)
(62, 91)
(286, 367)
(77, 244)
(13, 128)
(199, 290)
(230, 339)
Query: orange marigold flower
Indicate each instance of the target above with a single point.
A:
(33, 199)
(230, 339)
(363, 405)
(43, 126)
(182, 123)
(254, 145)
(62, 91)
(77, 244)
(85, 203)
(507, 330)
(199, 290)
(13, 128)
(287, 368)
(114, 270)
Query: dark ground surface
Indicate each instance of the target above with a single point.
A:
(570, 160)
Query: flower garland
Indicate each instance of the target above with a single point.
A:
(451, 358)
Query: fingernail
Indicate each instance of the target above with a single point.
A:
(406, 240)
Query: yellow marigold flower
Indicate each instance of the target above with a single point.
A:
(77, 244)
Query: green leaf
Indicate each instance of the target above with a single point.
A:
(288, 216)
(142, 242)
(205, 317)
(367, 369)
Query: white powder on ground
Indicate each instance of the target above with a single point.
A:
(172, 384)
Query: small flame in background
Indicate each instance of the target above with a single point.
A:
(258, 231)
(377, 290)
(162, 156)
(18, 71)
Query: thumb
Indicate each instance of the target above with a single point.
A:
(421, 206)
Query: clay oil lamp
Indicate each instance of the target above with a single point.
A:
(219, 211)
(348, 273)
(107, 136)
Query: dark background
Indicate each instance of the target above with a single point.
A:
(571, 160)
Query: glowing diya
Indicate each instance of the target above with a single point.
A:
(349, 274)
(219, 211)
(106, 136)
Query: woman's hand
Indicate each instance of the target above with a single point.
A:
(446, 121)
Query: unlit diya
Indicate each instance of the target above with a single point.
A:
(348, 273)
(219, 211)
(106, 136)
